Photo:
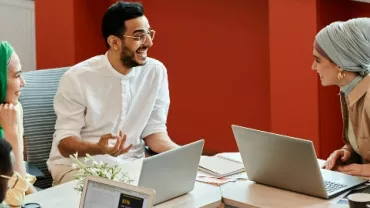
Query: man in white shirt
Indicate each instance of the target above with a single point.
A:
(121, 91)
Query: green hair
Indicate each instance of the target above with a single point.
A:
(6, 50)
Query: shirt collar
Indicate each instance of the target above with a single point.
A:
(362, 87)
(115, 72)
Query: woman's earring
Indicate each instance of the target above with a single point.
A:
(341, 75)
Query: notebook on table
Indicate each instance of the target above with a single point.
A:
(233, 156)
(220, 167)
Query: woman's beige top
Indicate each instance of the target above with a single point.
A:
(356, 106)
(352, 137)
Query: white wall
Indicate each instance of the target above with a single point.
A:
(17, 25)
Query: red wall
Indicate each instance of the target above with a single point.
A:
(68, 31)
(229, 62)
(359, 9)
(55, 41)
(218, 67)
(294, 95)
(88, 35)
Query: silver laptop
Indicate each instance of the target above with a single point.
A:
(288, 163)
(172, 173)
(100, 192)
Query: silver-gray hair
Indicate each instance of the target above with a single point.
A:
(347, 44)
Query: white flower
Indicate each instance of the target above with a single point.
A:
(96, 169)
(74, 166)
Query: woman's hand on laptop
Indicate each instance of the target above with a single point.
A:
(119, 146)
(338, 157)
(362, 170)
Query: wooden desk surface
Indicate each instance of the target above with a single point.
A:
(61, 196)
(249, 194)
(245, 193)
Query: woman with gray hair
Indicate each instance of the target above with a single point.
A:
(342, 58)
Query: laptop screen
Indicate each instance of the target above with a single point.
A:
(100, 195)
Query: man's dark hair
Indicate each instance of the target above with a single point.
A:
(6, 167)
(113, 22)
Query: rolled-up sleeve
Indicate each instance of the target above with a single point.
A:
(158, 118)
(69, 108)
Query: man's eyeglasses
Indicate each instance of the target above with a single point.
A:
(142, 37)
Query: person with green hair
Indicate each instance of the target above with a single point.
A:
(11, 115)
(342, 58)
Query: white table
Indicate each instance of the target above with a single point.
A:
(61, 196)
(242, 193)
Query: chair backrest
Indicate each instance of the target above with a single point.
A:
(39, 117)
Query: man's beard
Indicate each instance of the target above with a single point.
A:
(128, 58)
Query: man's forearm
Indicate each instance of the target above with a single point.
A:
(160, 142)
(71, 145)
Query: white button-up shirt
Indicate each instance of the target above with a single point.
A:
(93, 99)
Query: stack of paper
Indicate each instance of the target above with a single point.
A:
(220, 167)
(233, 156)
(210, 179)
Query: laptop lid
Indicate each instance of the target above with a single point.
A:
(280, 161)
(103, 193)
(288, 163)
(172, 173)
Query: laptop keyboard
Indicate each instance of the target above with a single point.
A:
(331, 186)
